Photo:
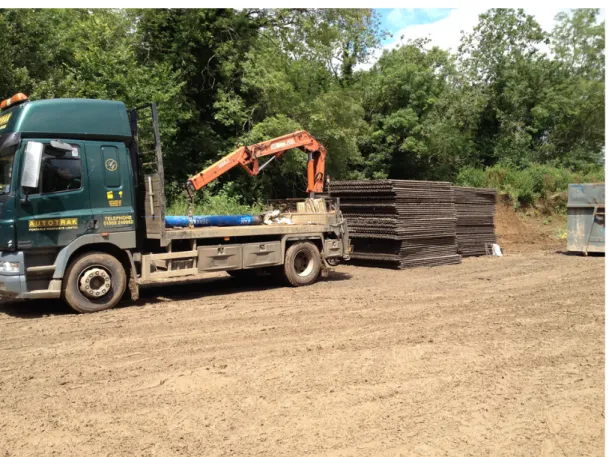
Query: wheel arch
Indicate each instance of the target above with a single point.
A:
(287, 241)
(116, 246)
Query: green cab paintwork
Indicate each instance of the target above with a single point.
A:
(104, 203)
(70, 118)
(7, 222)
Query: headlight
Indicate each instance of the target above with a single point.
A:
(9, 267)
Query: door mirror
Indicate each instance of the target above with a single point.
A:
(30, 175)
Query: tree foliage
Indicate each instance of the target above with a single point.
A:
(513, 95)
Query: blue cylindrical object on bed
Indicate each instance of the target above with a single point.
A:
(210, 221)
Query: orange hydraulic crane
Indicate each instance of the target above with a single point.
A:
(247, 157)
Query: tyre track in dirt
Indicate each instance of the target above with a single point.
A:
(497, 356)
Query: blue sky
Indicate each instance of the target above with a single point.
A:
(395, 19)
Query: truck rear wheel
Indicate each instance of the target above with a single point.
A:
(95, 281)
(302, 264)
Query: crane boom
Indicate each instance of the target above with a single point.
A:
(247, 157)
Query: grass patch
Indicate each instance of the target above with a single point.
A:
(206, 202)
(559, 233)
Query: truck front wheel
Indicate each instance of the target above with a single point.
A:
(95, 281)
(302, 264)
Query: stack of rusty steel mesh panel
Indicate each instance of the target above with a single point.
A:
(399, 223)
(475, 219)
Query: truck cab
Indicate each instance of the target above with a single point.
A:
(80, 219)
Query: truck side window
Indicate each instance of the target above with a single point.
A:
(60, 174)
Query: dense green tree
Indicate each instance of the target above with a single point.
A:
(501, 60)
(538, 106)
(33, 47)
(512, 96)
(571, 117)
(252, 66)
(400, 94)
(85, 54)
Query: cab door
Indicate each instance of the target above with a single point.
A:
(58, 211)
(111, 190)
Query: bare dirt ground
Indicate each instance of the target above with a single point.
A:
(497, 356)
(527, 231)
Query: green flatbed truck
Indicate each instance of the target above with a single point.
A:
(82, 212)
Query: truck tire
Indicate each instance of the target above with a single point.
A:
(302, 264)
(95, 281)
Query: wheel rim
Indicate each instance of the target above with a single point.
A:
(303, 263)
(95, 282)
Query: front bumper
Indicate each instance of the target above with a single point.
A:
(12, 285)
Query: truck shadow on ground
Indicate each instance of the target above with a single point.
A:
(579, 254)
(33, 309)
(159, 293)
(210, 287)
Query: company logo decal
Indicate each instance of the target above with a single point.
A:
(53, 224)
(111, 165)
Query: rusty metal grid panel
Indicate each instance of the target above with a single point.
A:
(586, 218)
(400, 223)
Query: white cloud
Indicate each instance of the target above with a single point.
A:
(446, 32)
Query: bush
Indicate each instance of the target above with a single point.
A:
(541, 185)
(471, 177)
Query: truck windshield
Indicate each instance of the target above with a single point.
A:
(6, 169)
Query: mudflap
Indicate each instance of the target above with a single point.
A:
(134, 285)
(326, 268)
